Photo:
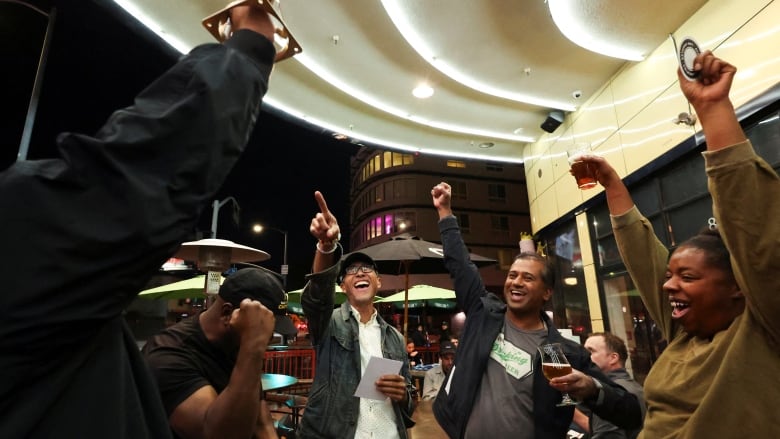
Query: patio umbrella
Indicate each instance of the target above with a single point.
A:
(420, 292)
(338, 299)
(189, 288)
(409, 254)
(420, 296)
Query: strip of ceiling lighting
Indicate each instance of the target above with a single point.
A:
(361, 137)
(417, 41)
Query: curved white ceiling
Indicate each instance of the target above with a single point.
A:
(497, 67)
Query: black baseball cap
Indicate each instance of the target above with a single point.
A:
(262, 285)
(447, 347)
(351, 259)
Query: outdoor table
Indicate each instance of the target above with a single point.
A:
(418, 377)
(275, 381)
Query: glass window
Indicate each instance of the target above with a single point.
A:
(684, 182)
(456, 164)
(499, 224)
(459, 191)
(628, 319)
(570, 297)
(494, 167)
(497, 192)
(377, 227)
(661, 229)
(410, 186)
(765, 136)
(689, 219)
(646, 198)
(399, 188)
(465, 223)
(389, 224)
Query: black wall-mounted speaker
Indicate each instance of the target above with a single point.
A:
(553, 121)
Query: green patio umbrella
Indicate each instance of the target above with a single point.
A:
(420, 292)
(430, 303)
(421, 296)
(338, 299)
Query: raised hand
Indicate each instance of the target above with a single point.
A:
(324, 226)
(251, 16)
(713, 83)
(254, 324)
(709, 95)
(442, 195)
(576, 384)
(605, 173)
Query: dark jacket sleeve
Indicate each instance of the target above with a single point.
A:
(467, 282)
(318, 300)
(89, 229)
(614, 403)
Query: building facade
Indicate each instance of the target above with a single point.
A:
(390, 195)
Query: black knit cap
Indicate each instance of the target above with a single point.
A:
(262, 285)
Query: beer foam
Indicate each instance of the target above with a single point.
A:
(576, 157)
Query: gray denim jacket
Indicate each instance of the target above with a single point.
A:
(332, 410)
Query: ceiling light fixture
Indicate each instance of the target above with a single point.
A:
(416, 39)
(487, 145)
(133, 9)
(366, 98)
(572, 18)
(284, 107)
(422, 91)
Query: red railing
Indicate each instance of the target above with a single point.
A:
(299, 363)
(430, 354)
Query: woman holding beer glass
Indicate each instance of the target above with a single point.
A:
(718, 377)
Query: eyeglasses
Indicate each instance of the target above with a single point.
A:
(362, 268)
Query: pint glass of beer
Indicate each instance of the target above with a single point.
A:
(583, 172)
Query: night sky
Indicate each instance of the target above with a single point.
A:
(99, 61)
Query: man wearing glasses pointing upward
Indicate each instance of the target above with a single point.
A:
(345, 339)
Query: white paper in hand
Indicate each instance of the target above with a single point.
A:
(377, 366)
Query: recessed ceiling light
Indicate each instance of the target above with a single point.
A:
(339, 136)
(423, 91)
(487, 145)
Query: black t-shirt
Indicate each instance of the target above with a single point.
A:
(182, 361)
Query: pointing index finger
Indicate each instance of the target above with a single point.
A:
(321, 202)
